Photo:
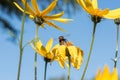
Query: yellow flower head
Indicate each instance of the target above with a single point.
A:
(91, 7)
(106, 75)
(41, 17)
(62, 52)
(44, 51)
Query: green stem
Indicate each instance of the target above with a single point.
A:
(37, 27)
(35, 67)
(45, 69)
(90, 51)
(35, 57)
(69, 63)
(117, 39)
(20, 44)
(19, 66)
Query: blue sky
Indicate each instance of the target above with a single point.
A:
(80, 31)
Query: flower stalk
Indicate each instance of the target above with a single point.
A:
(45, 71)
(36, 36)
(116, 54)
(69, 68)
(69, 62)
(117, 22)
(21, 43)
(35, 66)
(90, 51)
(35, 57)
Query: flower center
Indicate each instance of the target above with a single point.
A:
(117, 21)
(47, 59)
(39, 20)
(96, 19)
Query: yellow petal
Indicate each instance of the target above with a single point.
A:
(106, 74)
(98, 76)
(40, 48)
(43, 51)
(53, 25)
(31, 16)
(29, 9)
(114, 75)
(60, 54)
(75, 63)
(37, 47)
(54, 50)
(80, 56)
(115, 11)
(62, 63)
(95, 4)
(88, 3)
(101, 13)
(50, 55)
(49, 8)
(34, 47)
(20, 8)
(49, 45)
(61, 50)
(38, 44)
(79, 51)
(77, 59)
(113, 14)
(42, 25)
(54, 16)
(64, 20)
(82, 3)
(89, 6)
(35, 6)
(72, 51)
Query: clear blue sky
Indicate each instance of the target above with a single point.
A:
(80, 34)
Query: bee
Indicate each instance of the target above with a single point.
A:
(63, 41)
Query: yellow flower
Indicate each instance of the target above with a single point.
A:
(44, 51)
(41, 17)
(91, 7)
(106, 75)
(62, 52)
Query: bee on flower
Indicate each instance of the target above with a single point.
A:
(66, 49)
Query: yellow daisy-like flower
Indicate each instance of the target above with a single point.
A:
(41, 17)
(91, 7)
(44, 51)
(106, 75)
(62, 52)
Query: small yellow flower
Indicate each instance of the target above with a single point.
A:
(91, 7)
(41, 17)
(75, 54)
(44, 51)
(106, 75)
